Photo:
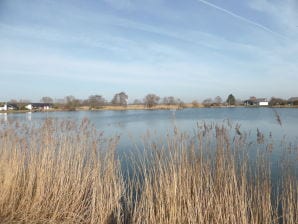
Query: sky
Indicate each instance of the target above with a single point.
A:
(189, 49)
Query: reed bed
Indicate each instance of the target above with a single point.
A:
(58, 173)
(64, 172)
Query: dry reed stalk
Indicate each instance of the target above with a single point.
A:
(58, 173)
(188, 182)
(289, 194)
(64, 173)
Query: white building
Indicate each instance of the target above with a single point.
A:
(4, 107)
(263, 103)
(8, 106)
(39, 106)
(29, 107)
(253, 101)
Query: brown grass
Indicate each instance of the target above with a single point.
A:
(62, 172)
(143, 107)
(187, 183)
(58, 173)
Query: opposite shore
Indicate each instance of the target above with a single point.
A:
(141, 107)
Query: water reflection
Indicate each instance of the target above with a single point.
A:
(3, 117)
(29, 116)
(135, 124)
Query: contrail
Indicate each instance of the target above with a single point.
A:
(240, 17)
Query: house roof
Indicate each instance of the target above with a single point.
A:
(41, 104)
(257, 100)
(12, 105)
(9, 104)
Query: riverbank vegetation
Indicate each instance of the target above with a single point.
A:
(150, 101)
(67, 172)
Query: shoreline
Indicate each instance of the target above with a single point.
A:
(141, 107)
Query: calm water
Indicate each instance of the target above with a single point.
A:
(131, 125)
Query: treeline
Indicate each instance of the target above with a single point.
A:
(98, 101)
(93, 101)
(150, 100)
(119, 99)
(293, 101)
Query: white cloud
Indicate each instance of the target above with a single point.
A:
(248, 21)
(284, 13)
(44, 63)
(107, 47)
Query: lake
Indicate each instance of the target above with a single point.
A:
(231, 168)
(132, 125)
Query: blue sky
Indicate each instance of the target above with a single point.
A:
(191, 49)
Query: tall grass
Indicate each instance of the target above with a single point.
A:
(63, 172)
(188, 182)
(58, 173)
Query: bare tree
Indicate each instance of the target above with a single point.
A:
(21, 103)
(180, 103)
(95, 101)
(151, 100)
(195, 103)
(170, 100)
(218, 100)
(207, 102)
(277, 101)
(120, 99)
(71, 102)
(46, 99)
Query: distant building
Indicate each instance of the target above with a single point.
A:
(3, 107)
(262, 102)
(293, 101)
(39, 106)
(12, 106)
(8, 106)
